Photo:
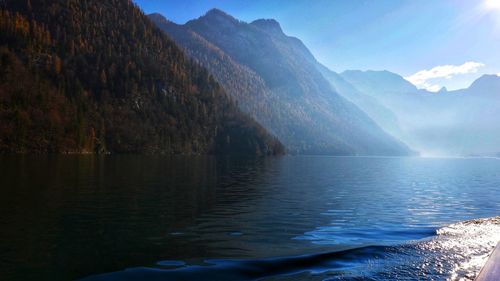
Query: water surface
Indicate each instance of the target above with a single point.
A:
(286, 218)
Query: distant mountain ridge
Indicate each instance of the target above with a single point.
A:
(447, 123)
(269, 25)
(486, 84)
(282, 89)
(380, 80)
(381, 114)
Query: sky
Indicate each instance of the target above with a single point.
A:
(431, 43)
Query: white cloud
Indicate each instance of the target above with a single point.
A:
(498, 74)
(423, 78)
(432, 88)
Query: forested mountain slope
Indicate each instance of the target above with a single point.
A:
(97, 75)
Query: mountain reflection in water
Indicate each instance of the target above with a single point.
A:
(286, 218)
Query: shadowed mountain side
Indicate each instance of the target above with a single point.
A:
(246, 86)
(273, 77)
(97, 76)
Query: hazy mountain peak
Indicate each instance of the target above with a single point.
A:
(219, 15)
(379, 73)
(382, 80)
(215, 11)
(269, 25)
(486, 84)
(157, 17)
(486, 79)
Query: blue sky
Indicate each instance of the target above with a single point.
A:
(433, 43)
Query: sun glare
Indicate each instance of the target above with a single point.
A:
(491, 8)
(492, 5)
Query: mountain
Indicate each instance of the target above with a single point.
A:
(382, 115)
(274, 78)
(244, 84)
(378, 82)
(88, 75)
(486, 85)
(450, 123)
(479, 109)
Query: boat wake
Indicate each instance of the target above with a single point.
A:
(467, 244)
(455, 252)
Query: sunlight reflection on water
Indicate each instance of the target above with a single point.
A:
(322, 218)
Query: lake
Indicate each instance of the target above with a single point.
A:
(284, 218)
